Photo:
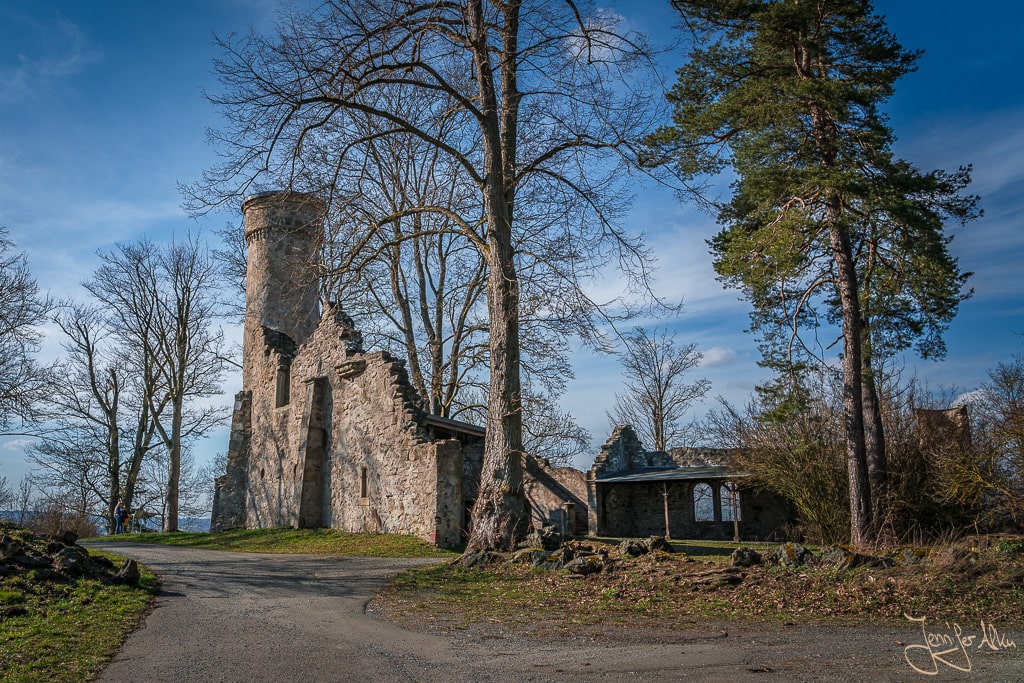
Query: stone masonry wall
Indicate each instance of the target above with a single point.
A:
(283, 232)
(271, 469)
(622, 451)
(638, 508)
(347, 450)
(557, 495)
(229, 489)
(326, 434)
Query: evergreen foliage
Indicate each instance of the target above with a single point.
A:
(824, 223)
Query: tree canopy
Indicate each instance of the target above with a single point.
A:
(824, 223)
(656, 395)
(23, 381)
(539, 100)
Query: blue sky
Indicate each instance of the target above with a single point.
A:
(102, 115)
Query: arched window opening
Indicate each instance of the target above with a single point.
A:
(703, 503)
(731, 508)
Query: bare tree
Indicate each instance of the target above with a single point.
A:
(414, 283)
(70, 475)
(24, 499)
(551, 433)
(70, 489)
(548, 431)
(99, 418)
(188, 354)
(542, 99)
(151, 508)
(23, 382)
(416, 287)
(7, 496)
(162, 301)
(982, 461)
(656, 396)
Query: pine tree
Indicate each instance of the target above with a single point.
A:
(824, 224)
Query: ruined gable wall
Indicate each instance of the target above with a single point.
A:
(638, 509)
(937, 429)
(412, 485)
(622, 451)
(557, 495)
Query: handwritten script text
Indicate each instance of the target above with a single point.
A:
(952, 647)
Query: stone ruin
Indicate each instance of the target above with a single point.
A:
(938, 429)
(325, 434)
(680, 493)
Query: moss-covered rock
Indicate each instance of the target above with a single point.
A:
(48, 558)
(789, 555)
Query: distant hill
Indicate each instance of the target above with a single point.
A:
(193, 523)
(184, 523)
(13, 515)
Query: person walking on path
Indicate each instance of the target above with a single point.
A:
(119, 515)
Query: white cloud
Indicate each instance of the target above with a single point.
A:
(602, 43)
(61, 51)
(970, 397)
(18, 445)
(718, 356)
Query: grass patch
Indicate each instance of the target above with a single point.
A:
(668, 591)
(66, 630)
(302, 541)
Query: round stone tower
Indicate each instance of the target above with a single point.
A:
(284, 231)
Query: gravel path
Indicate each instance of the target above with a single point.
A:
(258, 617)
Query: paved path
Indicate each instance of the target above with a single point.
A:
(240, 617)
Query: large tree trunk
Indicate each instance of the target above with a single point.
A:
(174, 469)
(143, 434)
(114, 474)
(501, 514)
(113, 449)
(853, 406)
(826, 136)
(874, 441)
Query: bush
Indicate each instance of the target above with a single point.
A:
(52, 517)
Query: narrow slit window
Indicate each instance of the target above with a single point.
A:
(364, 482)
(284, 376)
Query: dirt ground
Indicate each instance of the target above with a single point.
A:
(258, 617)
